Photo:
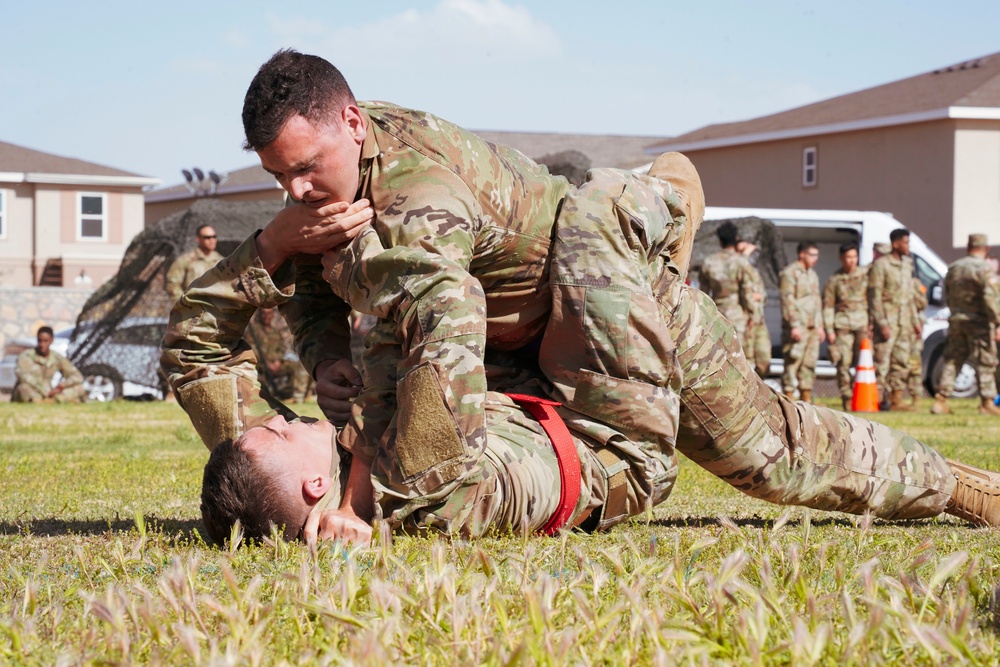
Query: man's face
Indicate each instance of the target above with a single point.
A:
(298, 455)
(849, 260)
(809, 257)
(206, 240)
(266, 316)
(44, 343)
(317, 164)
(901, 246)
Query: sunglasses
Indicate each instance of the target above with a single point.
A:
(206, 237)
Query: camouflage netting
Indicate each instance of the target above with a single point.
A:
(769, 258)
(124, 320)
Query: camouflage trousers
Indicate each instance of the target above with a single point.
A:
(844, 354)
(972, 342)
(25, 394)
(792, 453)
(892, 357)
(757, 347)
(800, 359)
(915, 380)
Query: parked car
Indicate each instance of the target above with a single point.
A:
(124, 365)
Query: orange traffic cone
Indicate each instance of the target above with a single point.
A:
(865, 397)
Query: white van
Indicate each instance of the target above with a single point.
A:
(828, 229)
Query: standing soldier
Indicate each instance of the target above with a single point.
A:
(845, 316)
(193, 264)
(890, 307)
(277, 364)
(726, 277)
(801, 322)
(757, 339)
(972, 292)
(36, 369)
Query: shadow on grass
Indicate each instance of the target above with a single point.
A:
(757, 522)
(175, 530)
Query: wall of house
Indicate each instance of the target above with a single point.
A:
(977, 181)
(907, 171)
(15, 246)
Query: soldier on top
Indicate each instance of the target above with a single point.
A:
(972, 292)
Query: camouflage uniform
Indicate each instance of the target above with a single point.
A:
(34, 378)
(801, 307)
(186, 268)
(890, 303)
(274, 342)
(757, 339)
(915, 381)
(845, 313)
(726, 277)
(972, 291)
(468, 257)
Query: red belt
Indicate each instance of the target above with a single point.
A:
(544, 411)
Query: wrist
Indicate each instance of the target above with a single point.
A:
(270, 255)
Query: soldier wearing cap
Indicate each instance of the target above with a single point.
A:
(972, 292)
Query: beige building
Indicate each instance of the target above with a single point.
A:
(64, 222)
(926, 149)
(253, 183)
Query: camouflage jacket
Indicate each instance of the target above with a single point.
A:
(37, 371)
(890, 293)
(759, 290)
(186, 268)
(845, 300)
(801, 304)
(972, 291)
(726, 277)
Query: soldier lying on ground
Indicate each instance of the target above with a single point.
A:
(474, 249)
(36, 369)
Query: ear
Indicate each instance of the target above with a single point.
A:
(314, 488)
(354, 121)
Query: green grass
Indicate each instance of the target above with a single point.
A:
(102, 562)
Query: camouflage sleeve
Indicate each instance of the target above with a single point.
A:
(876, 284)
(829, 304)
(29, 373)
(991, 296)
(71, 376)
(746, 282)
(789, 309)
(175, 278)
(817, 304)
(317, 319)
(209, 366)
(433, 334)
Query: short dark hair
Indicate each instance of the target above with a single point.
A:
(728, 234)
(197, 232)
(45, 329)
(289, 84)
(235, 486)
(806, 245)
(848, 246)
(898, 233)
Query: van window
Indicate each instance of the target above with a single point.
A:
(925, 272)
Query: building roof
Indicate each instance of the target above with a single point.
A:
(604, 150)
(969, 89)
(26, 164)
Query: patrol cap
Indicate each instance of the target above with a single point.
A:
(978, 241)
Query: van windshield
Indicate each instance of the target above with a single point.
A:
(925, 272)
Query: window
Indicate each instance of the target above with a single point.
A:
(3, 215)
(810, 167)
(93, 220)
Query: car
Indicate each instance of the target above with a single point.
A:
(124, 364)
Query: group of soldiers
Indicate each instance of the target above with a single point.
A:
(883, 302)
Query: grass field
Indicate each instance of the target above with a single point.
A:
(102, 562)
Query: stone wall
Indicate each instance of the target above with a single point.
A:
(24, 309)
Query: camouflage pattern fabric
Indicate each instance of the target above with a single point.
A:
(756, 338)
(186, 268)
(972, 292)
(890, 303)
(915, 381)
(726, 277)
(845, 313)
(35, 374)
(271, 343)
(801, 307)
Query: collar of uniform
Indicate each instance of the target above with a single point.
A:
(369, 151)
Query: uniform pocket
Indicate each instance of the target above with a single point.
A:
(627, 404)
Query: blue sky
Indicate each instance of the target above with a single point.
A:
(152, 88)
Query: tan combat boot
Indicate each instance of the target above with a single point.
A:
(676, 169)
(807, 395)
(940, 406)
(987, 407)
(977, 495)
(896, 403)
